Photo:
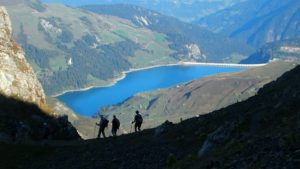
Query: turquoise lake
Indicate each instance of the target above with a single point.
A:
(87, 103)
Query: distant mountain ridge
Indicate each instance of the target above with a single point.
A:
(187, 10)
(257, 21)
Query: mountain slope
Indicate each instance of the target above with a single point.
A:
(185, 10)
(285, 50)
(257, 21)
(185, 39)
(261, 132)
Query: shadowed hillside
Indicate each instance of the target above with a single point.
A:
(21, 122)
(261, 132)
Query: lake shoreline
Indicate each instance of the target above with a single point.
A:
(123, 74)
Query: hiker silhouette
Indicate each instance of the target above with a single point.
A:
(138, 120)
(102, 125)
(115, 125)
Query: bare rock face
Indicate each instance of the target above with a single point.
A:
(195, 52)
(17, 78)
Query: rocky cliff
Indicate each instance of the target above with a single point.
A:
(16, 76)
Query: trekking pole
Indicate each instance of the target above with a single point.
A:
(95, 131)
(130, 127)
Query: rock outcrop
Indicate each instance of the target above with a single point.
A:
(194, 52)
(16, 76)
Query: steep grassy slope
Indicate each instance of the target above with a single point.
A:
(187, 40)
(257, 21)
(285, 50)
(184, 10)
(261, 132)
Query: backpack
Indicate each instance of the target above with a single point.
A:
(106, 123)
(139, 119)
(117, 123)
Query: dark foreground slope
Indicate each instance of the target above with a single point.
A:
(261, 132)
(22, 122)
